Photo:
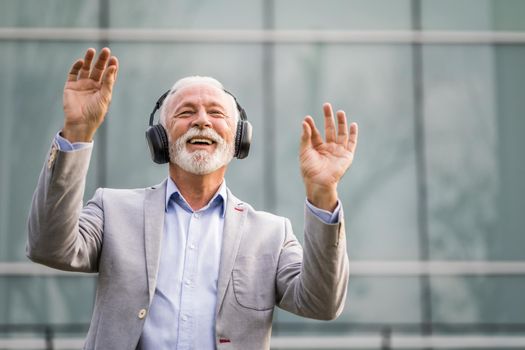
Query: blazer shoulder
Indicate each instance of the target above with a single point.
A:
(132, 194)
(119, 192)
(267, 216)
(253, 215)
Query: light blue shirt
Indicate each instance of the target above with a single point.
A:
(182, 313)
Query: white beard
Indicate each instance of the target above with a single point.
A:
(200, 162)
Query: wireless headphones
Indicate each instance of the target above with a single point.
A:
(157, 137)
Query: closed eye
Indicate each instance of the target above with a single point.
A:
(217, 114)
(184, 114)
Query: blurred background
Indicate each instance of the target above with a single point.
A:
(434, 202)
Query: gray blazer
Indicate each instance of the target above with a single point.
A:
(118, 234)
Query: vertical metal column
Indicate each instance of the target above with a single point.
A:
(102, 132)
(49, 335)
(421, 168)
(386, 338)
(269, 120)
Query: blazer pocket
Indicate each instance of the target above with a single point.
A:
(254, 281)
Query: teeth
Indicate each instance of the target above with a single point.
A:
(206, 141)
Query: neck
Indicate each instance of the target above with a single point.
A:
(198, 190)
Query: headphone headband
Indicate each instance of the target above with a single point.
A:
(158, 104)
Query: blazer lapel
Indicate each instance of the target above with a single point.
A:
(154, 210)
(231, 237)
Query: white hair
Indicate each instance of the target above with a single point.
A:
(195, 79)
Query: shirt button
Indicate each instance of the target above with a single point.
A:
(187, 282)
(192, 246)
(196, 215)
(184, 318)
(142, 313)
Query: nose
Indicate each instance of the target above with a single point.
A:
(202, 119)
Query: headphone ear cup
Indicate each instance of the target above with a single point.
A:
(243, 139)
(157, 139)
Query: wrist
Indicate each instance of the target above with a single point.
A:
(76, 134)
(322, 197)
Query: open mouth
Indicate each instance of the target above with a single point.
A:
(200, 141)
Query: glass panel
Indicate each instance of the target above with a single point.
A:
(373, 85)
(456, 15)
(187, 14)
(31, 115)
(461, 151)
(370, 300)
(55, 300)
(508, 240)
(489, 300)
(342, 14)
(49, 13)
(146, 72)
(508, 15)
(475, 15)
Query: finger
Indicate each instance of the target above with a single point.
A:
(342, 131)
(109, 77)
(88, 58)
(352, 141)
(329, 124)
(315, 136)
(100, 65)
(75, 68)
(113, 61)
(306, 137)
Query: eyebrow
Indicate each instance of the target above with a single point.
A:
(189, 104)
(184, 105)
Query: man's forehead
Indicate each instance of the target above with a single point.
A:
(199, 92)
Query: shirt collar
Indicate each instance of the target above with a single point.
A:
(219, 199)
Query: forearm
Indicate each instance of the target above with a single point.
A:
(317, 285)
(56, 236)
(325, 267)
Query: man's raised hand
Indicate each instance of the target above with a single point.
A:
(87, 94)
(323, 163)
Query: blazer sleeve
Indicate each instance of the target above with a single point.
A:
(312, 281)
(62, 234)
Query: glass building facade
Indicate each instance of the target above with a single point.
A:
(434, 202)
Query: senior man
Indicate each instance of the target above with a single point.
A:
(185, 264)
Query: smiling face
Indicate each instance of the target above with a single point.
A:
(201, 128)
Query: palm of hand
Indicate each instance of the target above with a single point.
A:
(87, 94)
(325, 164)
(84, 102)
